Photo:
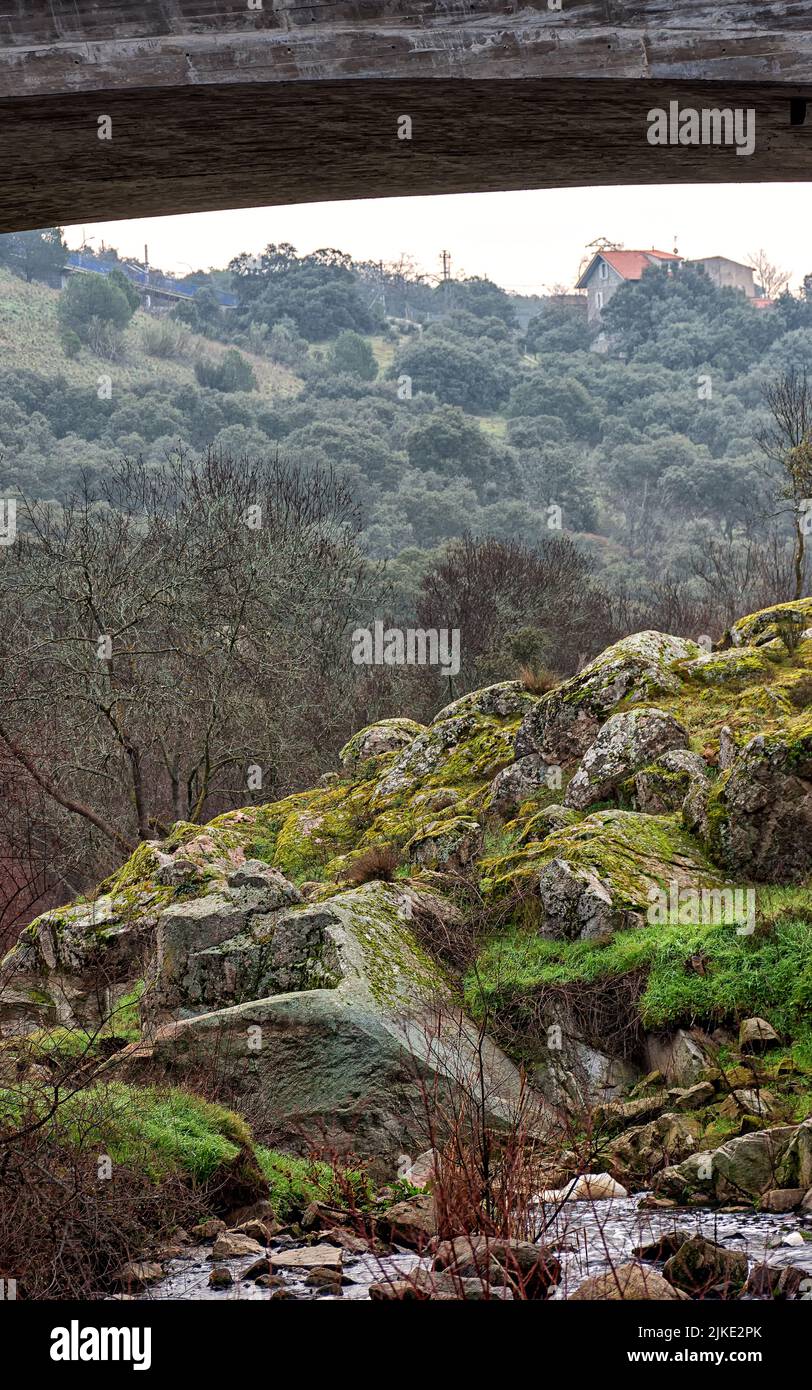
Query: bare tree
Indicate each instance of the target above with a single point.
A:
(174, 643)
(771, 278)
(515, 605)
(786, 442)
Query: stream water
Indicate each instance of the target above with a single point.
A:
(589, 1238)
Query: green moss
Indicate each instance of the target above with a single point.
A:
(181, 831)
(392, 957)
(797, 737)
(325, 823)
(761, 695)
(765, 625)
(479, 757)
(737, 668)
(351, 752)
(137, 871)
(630, 851)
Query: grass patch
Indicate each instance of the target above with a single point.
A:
(296, 1182)
(160, 1132)
(768, 973)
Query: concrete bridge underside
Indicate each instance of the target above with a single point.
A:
(221, 103)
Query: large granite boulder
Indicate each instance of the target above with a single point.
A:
(746, 1167)
(599, 874)
(662, 787)
(352, 1040)
(757, 629)
(386, 736)
(71, 965)
(757, 819)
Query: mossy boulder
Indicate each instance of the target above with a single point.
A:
(699, 1266)
(463, 751)
(71, 965)
(386, 736)
(517, 783)
(757, 818)
(744, 1167)
(597, 875)
(757, 629)
(506, 700)
(349, 1062)
(450, 844)
(734, 667)
(562, 724)
(626, 742)
(661, 787)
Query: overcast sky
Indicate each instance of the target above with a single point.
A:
(523, 241)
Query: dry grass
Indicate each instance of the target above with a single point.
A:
(538, 680)
(378, 863)
(29, 340)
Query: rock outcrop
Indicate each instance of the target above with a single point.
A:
(303, 950)
(637, 669)
(757, 819)
(597, 875)
(745, 1167)
(329, 1019)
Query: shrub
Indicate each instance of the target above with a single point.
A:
(231, 373)
(95, 309)
(790, 634)
(351, 353)
(71, 342)
(296, 1182)
(67, 1223)
(538, 680)
(164, 338)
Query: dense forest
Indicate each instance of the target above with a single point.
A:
(450, 418)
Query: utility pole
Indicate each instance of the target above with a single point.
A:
(446, 259)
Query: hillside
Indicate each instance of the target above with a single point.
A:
(611, 879)
(647, 455)
(29, 342)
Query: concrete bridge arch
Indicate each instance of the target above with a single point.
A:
(232, 103)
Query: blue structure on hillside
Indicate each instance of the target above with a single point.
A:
(150, 283)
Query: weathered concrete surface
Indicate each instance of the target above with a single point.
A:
(81, 45)
(217, 105)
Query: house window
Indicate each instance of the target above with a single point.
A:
(603, 271)
(599, 299)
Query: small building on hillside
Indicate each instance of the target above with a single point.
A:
(728, 274)
(608, 270)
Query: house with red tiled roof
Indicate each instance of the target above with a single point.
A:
(610, 269)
